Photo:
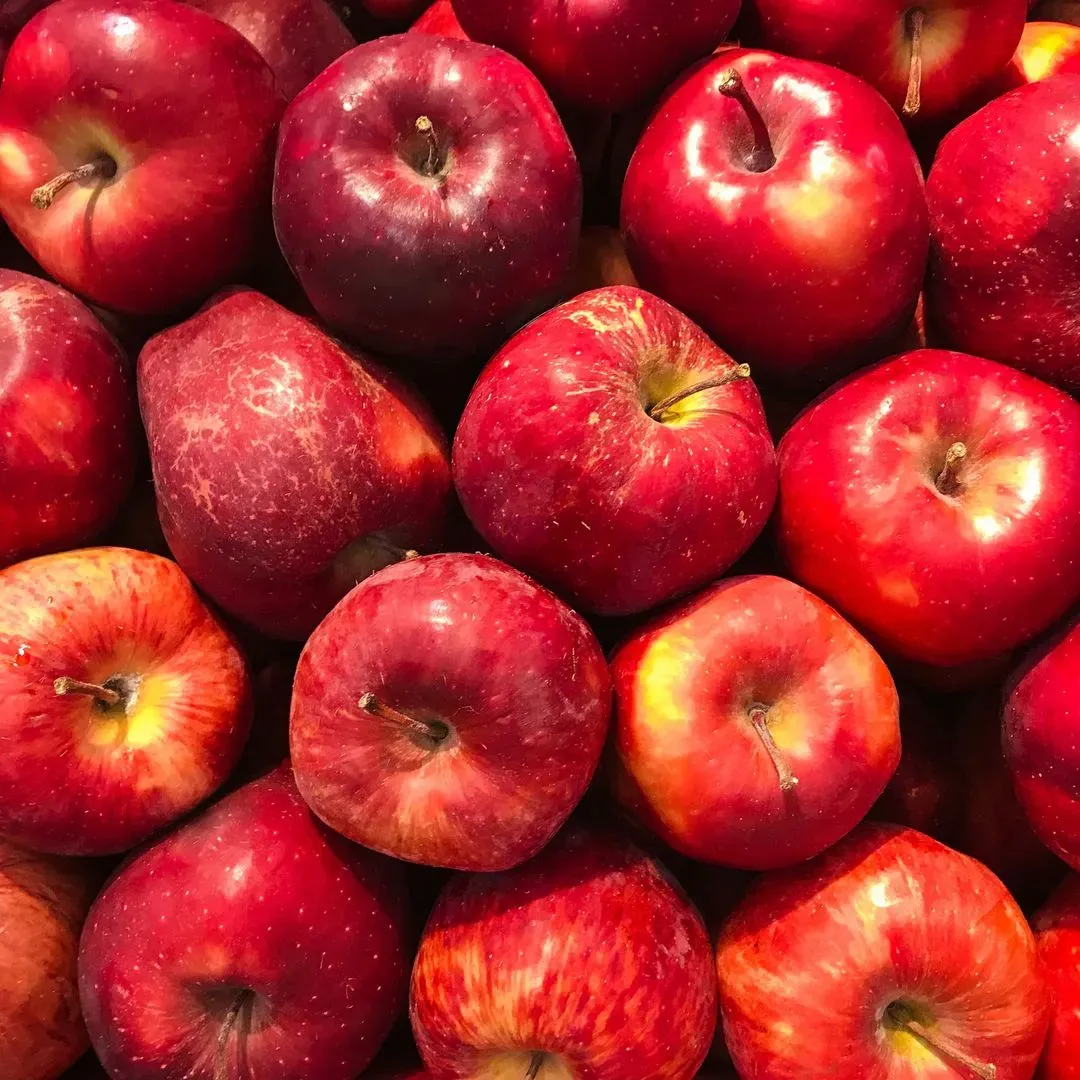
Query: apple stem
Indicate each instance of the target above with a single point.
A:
(428, 729)
(102, 168)
(228, 1025)
(948, 480)
(913, 100)
(433, 162)
(64, 686)
(761, 157)
(788, 780)
(536, 1063)
(944, 1047)
(399, 553)
(661, 407)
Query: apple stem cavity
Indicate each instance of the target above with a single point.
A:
(102, 168)
(432, 730)
(432, 163)
(102, 694)
(914, 24)
(240, 1007)
(948, 480)
(736, 373)
(536, 1063)
(901, 1016)
(761, 157)
(759, 718)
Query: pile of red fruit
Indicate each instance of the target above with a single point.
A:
(539, 540)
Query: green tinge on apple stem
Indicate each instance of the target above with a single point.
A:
(102, 168)
(64, 686)
(742, 371)
(788, 780)
(901, 1016)
(913, 101)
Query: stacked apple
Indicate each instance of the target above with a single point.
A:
(539, 542)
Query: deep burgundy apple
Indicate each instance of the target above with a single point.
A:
(287, 467)
(440, 19)
(1057, 934)
(297, 38)
(123, 702)
(43, 901)
(14, 15)
(426, 195)
(588, 961)
(613, 451)
(889, 955)
(449, 711)
(754, 727)
(67, 413)
(251, 942)
(1004, 225)
(605, 56)
(779, 203)
(935, 500)
(113, 169)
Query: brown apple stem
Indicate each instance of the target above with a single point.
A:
(940, 1044)
(948, 480)
(102, 168)
(759, 718)
(761, 158)
(428, 729)
(432, 164)
(536, 1063)
(228, 1025)
(913, 101)
(102, 694)
(398, 553)
(740, 372)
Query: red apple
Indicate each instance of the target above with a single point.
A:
(123, 702)
(251, 942)
(754, 727)
(935, 500)
(43, 901)
(606, 55)
(779, 203)
(588, 961)
(1045, 49)
(1057, 934)
(14, 15)
(426, 196)
(287, 467)
(113, 169)
(449, 711)
(889, 955)
(613, 451)
(67, 413)
(1004, 224)
(297, 38)
(440, 19)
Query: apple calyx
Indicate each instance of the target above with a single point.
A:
(431, 161)
(761, 157)
(759, 718)
(238, 1018)
(913, 24)
(432, 731)
(742, 371)
(948, 480)
(101, 168)
(902, 1017)
(536, 1063)
(103, 695)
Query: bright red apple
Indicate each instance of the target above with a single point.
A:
(113, 169)
(426, 195)
(888, 956)
(541, 972)
(440, 19)
(449, 711)
(67, 413)
(779, 203)
(1057, 934)
(123, 702)
(250, 942)
(287, 467)
(613, 451)
(754, 727)
(935, 500)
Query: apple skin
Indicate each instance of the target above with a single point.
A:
(435, 266)
(1046, 49)
(834, 234)
(297, 38)
(440, 19)
(152, 85)
(14, 15)
(247, 405)
(81, 779)
(689, 761)
(517, 679)
(67, 410)
(562, 957)
(43, 902)
(1002, 280)
(605, 56)
(252, 906)
(1057, 934)
(815, 955)
(863, 523)
(565, 474)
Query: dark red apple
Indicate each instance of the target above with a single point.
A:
(935, 500)
(888, 956)
(754, 727)
(588, 961)
(1057, 933)
(426, 195)
(14, 15)
(68, 418)
(613, 451)
(440, 19)
(779, 203)
(115, 173)
(287, 467)
(251, 942)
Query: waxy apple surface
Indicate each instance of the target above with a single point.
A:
(1057, 933)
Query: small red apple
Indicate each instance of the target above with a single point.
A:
(1057, 934)
(440, 19)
